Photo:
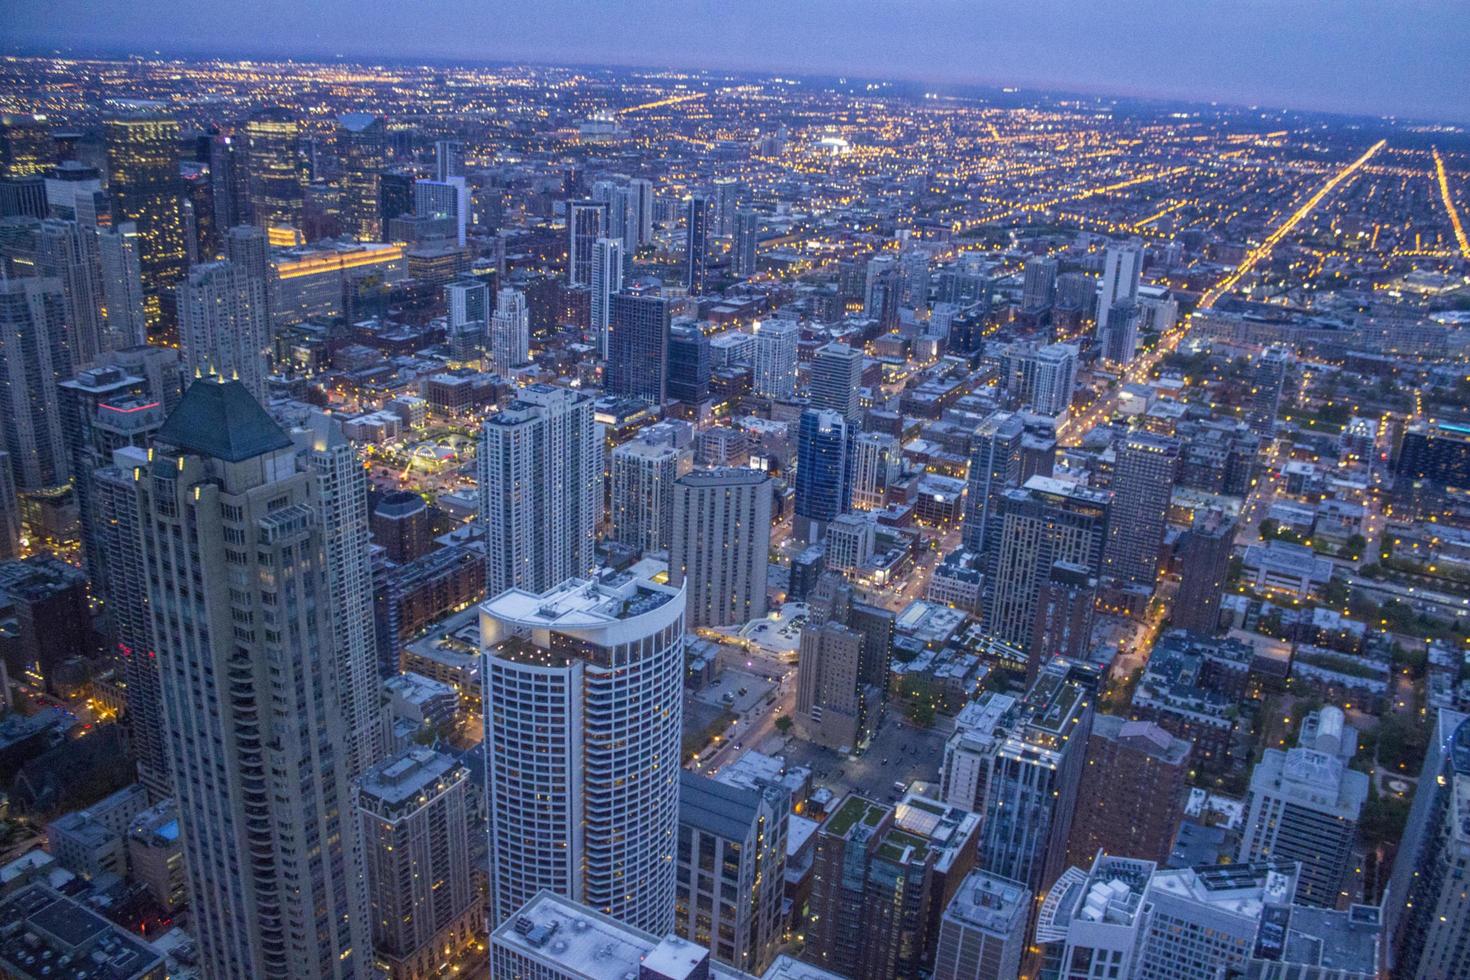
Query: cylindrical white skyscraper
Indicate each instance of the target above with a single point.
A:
(583, 713)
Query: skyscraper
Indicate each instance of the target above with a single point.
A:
(586, 223)
(362, 149)
(1268, 380)
(607, 281)
(1122, 270)
(1034, 775)
(275, 173)
(731, 904)
(638, 346)
(697, 216)
(242, 620)
(1119, 338)
(1204, 568)
(643, 477)
(582, 801)
(1131, 798)
(876, 459)
(1143, 481)
(414, 813)
(720, 550)
(224, 324)
(1304, 805)
(995, 466)
(837, 376)
(747, 237)
(640, 204)
(66, 252)
(823, 471)
(144, 184)
(728, 192)
(540, 468)
(342, 515)
(1064, 616)
(446, 200)
(510, 331)
(1040, 284)
(34, 359)
(982, 933)
(689, 364)
(1428, 910)
(468, 304)
(120, 270)
(448, 159)
(1041, 524)
(775, 358)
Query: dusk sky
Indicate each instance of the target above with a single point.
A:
(1409, 58)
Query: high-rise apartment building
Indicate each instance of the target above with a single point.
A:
(837, 376)
(1039, 379)
(689, 364)
(1122, 271)
(34, 358)
(1090, 921)
(1143, 483)
(720, 549)
(995, 467)
(342, 515)
(1119, 339)
(1064, 614)
(414, 814)
(445, 200)
(586, 223)
(747, 237)
(540, 468)
(982, 933)
(1427, 904)
(252, 700)
(468, 303)
(644, 474)
(1035, 768)
(224, 324)
(144, 185)
(1039, 284)
(1204, 568)
(583, 716)
(1042, 524)
(362, 150)
(775, 358)
(510, 331)
(1268, 381)
(1132, 794)
(448, 159)
(638, 346)
(841, 683)
(823, 471)
(732, 861)
(1304, 804)
(876, 459)
(120, 270)
(698, 215)
(607, 282)
(640, 206)
(883, 877)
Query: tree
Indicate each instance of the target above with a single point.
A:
(783, 724)
(1356, 545)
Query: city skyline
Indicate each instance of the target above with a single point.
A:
(1371, 59)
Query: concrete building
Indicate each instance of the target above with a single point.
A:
(982, 935)
(156, 855)
(248, 660)
(510, 332)
(883, 877)
(638, 346)
(1207, 920)
(540, 468)
(995, 466)
(837, 379)
(644, 481)
(774, 359)
(732, 863)
(1132, 794)
(876, 460)
(1143, 481)
(401, 526)
(414, 813)
(581, 801)
(224, 325)
(34, 358)
(720, 548)
(1204, 568)
(48, 928)
(1122, 272)
(1304, 805)
(607, 281)
(1090, 920)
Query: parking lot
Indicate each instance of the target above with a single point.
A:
(899, 753)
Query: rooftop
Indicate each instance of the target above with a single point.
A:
(59, 938)
(222, 420)
(989, 902)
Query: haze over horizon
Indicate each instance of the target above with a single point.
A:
(1403, 59)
